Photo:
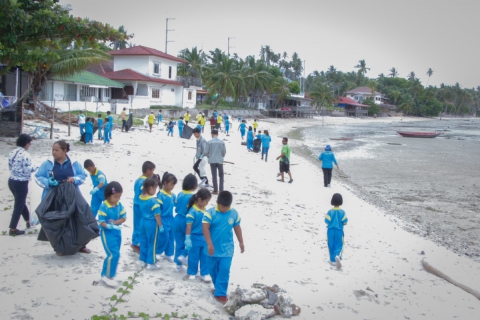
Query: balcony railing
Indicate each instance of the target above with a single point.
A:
(190, 81)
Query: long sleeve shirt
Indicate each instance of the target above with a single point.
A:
(216, 150)
(201, 147)
(336, 218)
(20, 165)
(328, 159)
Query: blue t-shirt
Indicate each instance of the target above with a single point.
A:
(99, 123)
(137, 189)
(194, 217)
(215, 115)
(250, 135)
(242, 126)
(227, 122)
(328, 159)
(336, 218)
(108, 126)
(266, 141)
(97, 178)
(160, 117)
(149, 206)
(167, 203)
(110, 119)
(89, 127)
(108, 212)
(181, 202)
(180, 125)
(221, 230)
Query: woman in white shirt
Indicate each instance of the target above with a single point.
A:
(21, 168)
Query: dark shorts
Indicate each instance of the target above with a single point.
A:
(284, 167)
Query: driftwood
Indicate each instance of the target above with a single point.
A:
(442, 275)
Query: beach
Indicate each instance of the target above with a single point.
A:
(283, 229)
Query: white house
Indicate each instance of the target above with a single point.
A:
(150, 78)
(359, 94)
(84, 90)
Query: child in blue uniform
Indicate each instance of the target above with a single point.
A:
(89, 131)
(100, 127)
(180, 126)
(189, 186)
(217, 225)
(336, 219)
(151, 224)
(242, 127)
(250, 139)
(166, 242)
(148, 169)
(99, 182)
(110, 120)
(194, 239)
(227, 125)
(159, 117)
(111, 215)
(108, 128)
(266, 139)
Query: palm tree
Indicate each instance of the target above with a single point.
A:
(395, 94)
(224, 78)
(362, 67)
(411, 76)
(429, 74)
(408, 104)
(322, 95)
(393, 72)
(281, 88)
(120, 44)
(195, 61)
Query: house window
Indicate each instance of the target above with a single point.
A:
(156, 93)
(170, 72)
(189, 95)
(70, 92)
(173, 90)
(156, 68)
(86, 91)
(106, 92)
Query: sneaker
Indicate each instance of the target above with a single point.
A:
(338, 263)
(191, 277)
(16, 232)
(202, 183)
(279, 174)
(290, 181)
(158, 256)
(109, 282)
(333, 263)
(183, 260)
(180, 268)
(206, 278)
(29, 225)
(152, 267)
(143, 264)
(168, 258)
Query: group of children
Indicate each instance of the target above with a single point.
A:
(196, 238)
(104, 129)
(263, 139)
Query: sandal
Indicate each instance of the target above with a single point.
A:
(280, 180)
(85, 250)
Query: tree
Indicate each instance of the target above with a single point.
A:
(281, 89)
(195, 61)
(322, 95)
(32, 32)
(294, 87)
(362, 67)
(411, 76)
(224, 78)
(121, 44)
(429, 74)
(393, 72)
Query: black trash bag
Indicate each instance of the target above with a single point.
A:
(66, 219)
(257, 143)
(129, 123)
(187, 132)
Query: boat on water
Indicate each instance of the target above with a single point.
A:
(420, 134)
(342, 139)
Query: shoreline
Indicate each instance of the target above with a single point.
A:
(284, 238)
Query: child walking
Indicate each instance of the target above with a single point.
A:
(227, 125)
(194, 239)
(108, 128)
(336, 219)
(151, 120)
(89, 131)
(110, 120)
(189, 186)
(180, 126)
(255, 125)
(99, 182)
(110, 216)
(171, 124)
(148, 169)
(249, 139)
(167, 198)
(217, 225)
(151, 223)
(242, 126)
(266, 139)
(100, 127)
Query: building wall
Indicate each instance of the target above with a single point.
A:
(137, 63)
(189, 103)
(164, 71)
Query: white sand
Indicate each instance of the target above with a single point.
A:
(284, 235)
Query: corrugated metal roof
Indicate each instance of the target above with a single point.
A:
(345, 100)
(89, 78)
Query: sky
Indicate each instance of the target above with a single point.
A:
(410, 35)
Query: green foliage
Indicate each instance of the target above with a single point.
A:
(374, 108)
(294, 87)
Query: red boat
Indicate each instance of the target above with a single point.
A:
(423, 134)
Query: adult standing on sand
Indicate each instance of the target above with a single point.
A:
(285, 161)
(199, 165)
(21, 168)
(186, 117)
(216, 151)
(60, 168)
(81, 122)
(124, 117)
(328, 159)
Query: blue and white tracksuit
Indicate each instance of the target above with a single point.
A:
(111, 239)
(266, 139)
(110, 120)
(250, 140)
(148, 235)
(221, 232)
(100, 128)
(137, 213)
(196, 254)
(99, 196)
(108, 132)
(335, 219)
(166, 242)
(88, 132)
(179, 224)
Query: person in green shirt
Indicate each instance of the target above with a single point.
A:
(285, 161)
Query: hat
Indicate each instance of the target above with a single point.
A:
(328, 148)
(215, 131)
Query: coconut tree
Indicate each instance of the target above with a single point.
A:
(121, 44)
(196, 59)
(393, 72)
(429, 74)
(224, 78)
(362, 67)
(408, 104)
(411, 76)
(280, 87)
(322, 95)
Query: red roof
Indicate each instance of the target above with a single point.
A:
(345, 100)
(129, 74)
(145, 51)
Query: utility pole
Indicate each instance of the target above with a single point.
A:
(303, 78)
(228, 51)
(166, 34)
